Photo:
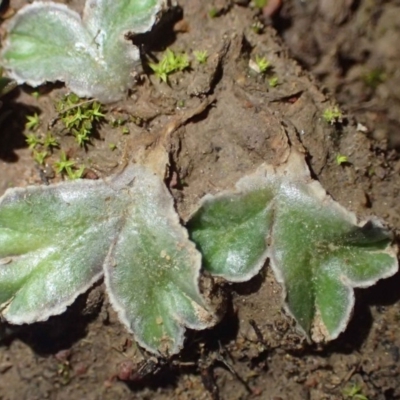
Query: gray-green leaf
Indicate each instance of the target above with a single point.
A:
(231, 230)
(316, 248)
(48, 42)
(152, 270)
(51, 249)
(55, 241)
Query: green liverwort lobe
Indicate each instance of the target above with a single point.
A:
(93, 55)
(317, 250)
(231, 230)
(57, 240)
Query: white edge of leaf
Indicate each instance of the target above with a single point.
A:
(391, 250)
(16, 19)
(281, 281)
(347, 314)
(390, 271)
(43, 315)
(40, 188)
(132, 51)
(128, 175)
(158, 8)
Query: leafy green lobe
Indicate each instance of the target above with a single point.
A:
(317, 250)
(56, 241)
(224, 230)
(152, 271)
(48, 42)
(49, 252)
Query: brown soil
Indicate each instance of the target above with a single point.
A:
(255, 351)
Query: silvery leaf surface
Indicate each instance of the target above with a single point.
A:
(152, 270)
(230, 230)
(53, 242)
(317, 249)
(49, 42)
(57, 240)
